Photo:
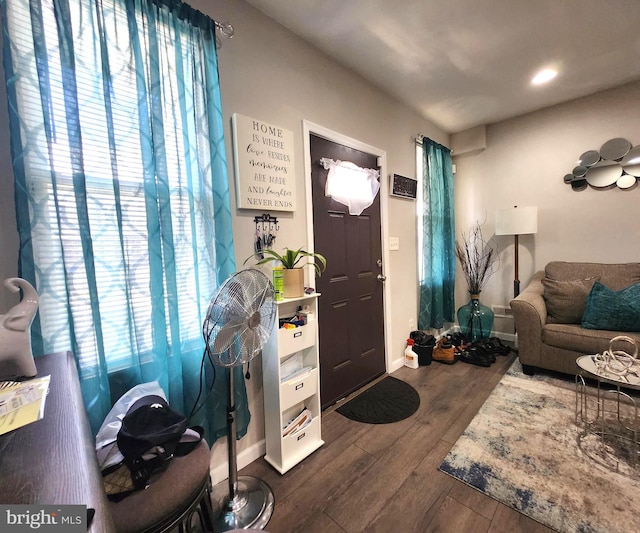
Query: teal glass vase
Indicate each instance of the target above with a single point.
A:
(475, 319)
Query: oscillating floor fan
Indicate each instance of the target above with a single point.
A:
(238, 324)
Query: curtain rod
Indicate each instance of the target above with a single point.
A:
(420, 137)
(197, 18)
(226, 29)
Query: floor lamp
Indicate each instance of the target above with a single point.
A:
(517, 221)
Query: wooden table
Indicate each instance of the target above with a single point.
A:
(53, 460)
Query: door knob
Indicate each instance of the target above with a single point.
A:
(381, 277)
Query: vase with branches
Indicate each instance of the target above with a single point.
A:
(478, 261)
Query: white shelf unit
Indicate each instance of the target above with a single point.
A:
(283, 400)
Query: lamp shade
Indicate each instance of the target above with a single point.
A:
(517, 221)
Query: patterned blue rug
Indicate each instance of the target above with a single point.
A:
(522, 450)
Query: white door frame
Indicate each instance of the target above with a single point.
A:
(333, 136)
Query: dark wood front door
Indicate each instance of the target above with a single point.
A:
(351, 314)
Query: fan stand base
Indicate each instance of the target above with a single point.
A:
(251, 507)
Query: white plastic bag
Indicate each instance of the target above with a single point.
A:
(351, 185)
(106, 439)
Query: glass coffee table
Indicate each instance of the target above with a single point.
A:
(607, 417)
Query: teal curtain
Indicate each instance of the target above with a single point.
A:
(122, 196)
(438, 261)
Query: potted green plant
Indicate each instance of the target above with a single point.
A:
(293, 274)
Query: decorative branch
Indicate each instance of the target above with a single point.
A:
(478, 259)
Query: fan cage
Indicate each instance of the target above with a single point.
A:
(240, 318)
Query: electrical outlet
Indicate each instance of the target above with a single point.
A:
(394, 243)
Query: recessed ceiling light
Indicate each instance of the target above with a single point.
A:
(544, 76)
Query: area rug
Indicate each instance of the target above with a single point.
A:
(522, 450)
(390, 400)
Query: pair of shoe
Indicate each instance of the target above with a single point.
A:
(444, 352)
(473, 356)
(493, 346)
(482, 350)
(457, 339)
(467, 352)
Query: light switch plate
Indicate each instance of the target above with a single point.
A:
(394, 243)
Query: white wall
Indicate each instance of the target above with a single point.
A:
(524, 164)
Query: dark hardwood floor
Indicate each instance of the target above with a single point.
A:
(385, 477)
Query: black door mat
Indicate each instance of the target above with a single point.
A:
(390, 400)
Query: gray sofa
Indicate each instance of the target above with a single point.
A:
(548, 314)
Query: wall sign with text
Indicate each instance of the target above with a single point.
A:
(264, 165)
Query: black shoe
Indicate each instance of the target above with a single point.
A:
(457, 339)
(474, 357)
(494, 345)
(480, 348)
(503, 348)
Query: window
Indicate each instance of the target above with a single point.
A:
(117, 170)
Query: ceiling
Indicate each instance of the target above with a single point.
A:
(462, 63)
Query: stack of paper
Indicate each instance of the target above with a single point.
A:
(290, 365)
(298, 374)
(22, 403)
(296, 424)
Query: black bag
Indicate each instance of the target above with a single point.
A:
(148, 438)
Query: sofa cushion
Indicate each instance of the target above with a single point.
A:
(578, 339)
(614, 276)
(566, 300)
(613, 310)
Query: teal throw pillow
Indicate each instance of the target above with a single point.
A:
(613, 310)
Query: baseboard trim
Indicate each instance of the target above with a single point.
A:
(509, 337)
(244, 458)
(396, 365)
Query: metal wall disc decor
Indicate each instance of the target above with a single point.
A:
(615, 149)
(604, 174)
(631, 162)
(616, 164)
(626, 181)
(580, 171)
(579, 184)
(590, 158)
